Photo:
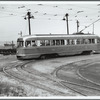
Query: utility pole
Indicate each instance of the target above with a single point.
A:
(67, 23)
(66, 18)
(29, 16)
(77, 26)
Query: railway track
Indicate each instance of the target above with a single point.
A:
(87, 79)
(49, 82)
(16, 71)
(53, 78)
(32, 75)
(76, 82)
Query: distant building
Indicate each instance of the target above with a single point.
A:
(9, 44)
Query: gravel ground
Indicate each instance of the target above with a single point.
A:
(48, 66)
(43, 66)
(9, 83)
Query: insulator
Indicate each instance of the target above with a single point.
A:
(63, 19)
(25, 18)
(44, 13)
(2, 7)
(40, 4)
(66, 14)
(36, 12)
(55, 15)
(32, 17)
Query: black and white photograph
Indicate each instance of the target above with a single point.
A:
(49, 49)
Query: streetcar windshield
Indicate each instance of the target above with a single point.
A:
(20, 43)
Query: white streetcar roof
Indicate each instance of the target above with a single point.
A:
(58, 36)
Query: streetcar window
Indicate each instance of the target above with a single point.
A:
(57, 42)
(38, 43)
(68, 42)
(47, 42)
(28, 43)
(98, 40)
(90, 41)
(33, 43)
(93, 41)
(72, 42)
(62, 42)
(19, 43)
(52, 42)
(78, 41)
(83, 41)
(86, 41)
(42, 42)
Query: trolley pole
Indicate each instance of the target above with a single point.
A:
(29, 16)
(93, 28)
(67, 23)
(77, 26)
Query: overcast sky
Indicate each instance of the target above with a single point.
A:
(47, 18)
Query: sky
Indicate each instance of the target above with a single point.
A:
(47, 18)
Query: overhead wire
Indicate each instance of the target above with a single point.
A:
(50, 15)
(44, 13)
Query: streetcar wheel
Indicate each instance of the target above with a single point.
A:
(43, 56)
(56, 55)
(86, 52)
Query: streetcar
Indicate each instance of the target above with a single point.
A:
(43, 45)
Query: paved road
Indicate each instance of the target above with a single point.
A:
(91, 72)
